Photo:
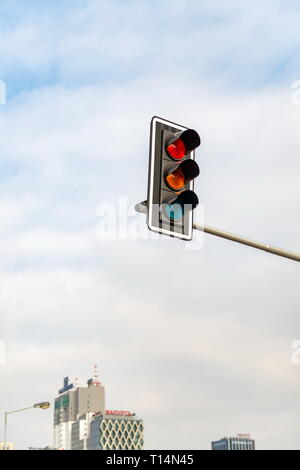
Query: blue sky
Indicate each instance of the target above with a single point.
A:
(55, 43)
(83, 80)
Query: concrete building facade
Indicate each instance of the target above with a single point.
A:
(72, 404)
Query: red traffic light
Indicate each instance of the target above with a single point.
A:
(182, 175)
(188, 141)
(177, 149)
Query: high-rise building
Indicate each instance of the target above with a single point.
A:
(239, 442)
(116, 430)
(82, 423)
(71, 404)
(81, 432)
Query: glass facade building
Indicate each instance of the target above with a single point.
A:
(240, 442)
(116, 432)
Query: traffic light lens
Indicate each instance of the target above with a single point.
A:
(186, 172)
(174, 211)
(176, 180)
(177, 149)
(188, 141)
(184, 203)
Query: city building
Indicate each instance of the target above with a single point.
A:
(81, 432)
(82, 423)
(239, 442)
(8, 446)
(116, 430)
(71, 404)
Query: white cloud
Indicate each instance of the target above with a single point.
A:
(90, 40)
(210, 348)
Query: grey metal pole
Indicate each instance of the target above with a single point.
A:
(5, 427)
(246, 241)
(142, 208)
(38, 405)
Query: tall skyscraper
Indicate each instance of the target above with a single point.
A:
(71, 404)
(82, 423)
(239, 442)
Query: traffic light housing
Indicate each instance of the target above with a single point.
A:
(172, 170)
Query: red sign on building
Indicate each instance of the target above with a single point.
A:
(118, 413)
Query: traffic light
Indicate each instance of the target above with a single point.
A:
(172, 170)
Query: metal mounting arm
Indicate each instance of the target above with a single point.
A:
(142, 207)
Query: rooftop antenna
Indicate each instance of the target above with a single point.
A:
(96, 375)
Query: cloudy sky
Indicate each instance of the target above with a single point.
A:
(197, 342)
